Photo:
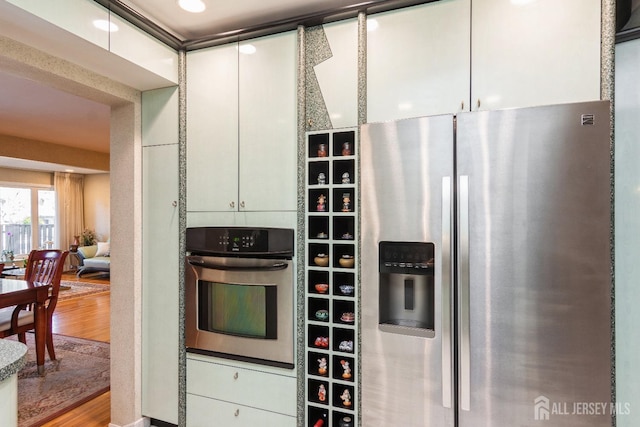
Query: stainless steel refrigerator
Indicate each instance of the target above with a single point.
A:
(486, 269)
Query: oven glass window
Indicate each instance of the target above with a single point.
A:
(242, 310)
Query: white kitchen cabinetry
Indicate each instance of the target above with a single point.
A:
(446, 57)
(160, 255)
(223, 394)
(212, 129)
(134, 45)
(268, 124)
(74, 16)
(529, 53)
(203, 412)
(418, 61)
(241, 126)
(86, 19)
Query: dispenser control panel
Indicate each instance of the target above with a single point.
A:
(406, 257)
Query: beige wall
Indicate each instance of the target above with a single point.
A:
(18, 176)
(96, 195)
(97, 204)
(28, 149)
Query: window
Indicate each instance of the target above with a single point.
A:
(18, 207)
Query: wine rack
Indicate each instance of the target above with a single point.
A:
(331, 325)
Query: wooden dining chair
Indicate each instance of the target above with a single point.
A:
(43, 267)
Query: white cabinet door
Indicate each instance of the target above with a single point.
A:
(248, 387)
(138, 47)
(268, 123)
(418, 61)
(77, 17)
(212, 129)
(627, 203)
(203, 412)
(528, 53)
(160, 116)
(160, 254)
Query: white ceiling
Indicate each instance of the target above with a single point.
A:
(32, 110)
(231, 16)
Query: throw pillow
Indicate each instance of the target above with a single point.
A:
(103, 249)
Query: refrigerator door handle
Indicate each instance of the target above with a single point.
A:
(447, 344)
(463, 296)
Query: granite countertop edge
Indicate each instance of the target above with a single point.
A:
(13, 357)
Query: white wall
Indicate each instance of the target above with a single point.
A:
(96, 205)
(627, 230)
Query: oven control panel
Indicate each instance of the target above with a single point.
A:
(240, 240)
(236, 242)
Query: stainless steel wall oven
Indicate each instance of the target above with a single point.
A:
(239, 294)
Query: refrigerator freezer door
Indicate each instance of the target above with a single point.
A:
(535, 298)
(407, 194)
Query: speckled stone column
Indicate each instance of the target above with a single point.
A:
(316, 50)
(301, 248)
(607, 91)
(182, 226)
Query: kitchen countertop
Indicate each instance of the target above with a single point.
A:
(12, 357)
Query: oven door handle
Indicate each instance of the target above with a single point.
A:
(199, 262)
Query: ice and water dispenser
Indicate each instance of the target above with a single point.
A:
(407, 297)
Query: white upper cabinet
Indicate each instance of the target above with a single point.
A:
(79, 17)
(160, 116)
(241, 126)
(127, 54)
(418, 61)
(212, 129)
(446, 56)
(138, 47)
(535, 52)
(268, 124)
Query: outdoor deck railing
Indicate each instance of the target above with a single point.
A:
(17, 237)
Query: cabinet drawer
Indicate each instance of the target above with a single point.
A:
(203, 412)
(257, 389)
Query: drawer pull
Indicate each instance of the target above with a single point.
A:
(235, 376)
(237, 412)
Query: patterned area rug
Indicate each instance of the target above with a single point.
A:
(80, 373)
(72, 289)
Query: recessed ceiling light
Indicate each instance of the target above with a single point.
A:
(247, 49)
(195, 6)
(105, 25)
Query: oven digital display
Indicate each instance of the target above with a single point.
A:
(235, 309)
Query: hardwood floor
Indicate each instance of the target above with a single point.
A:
(85, 317)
